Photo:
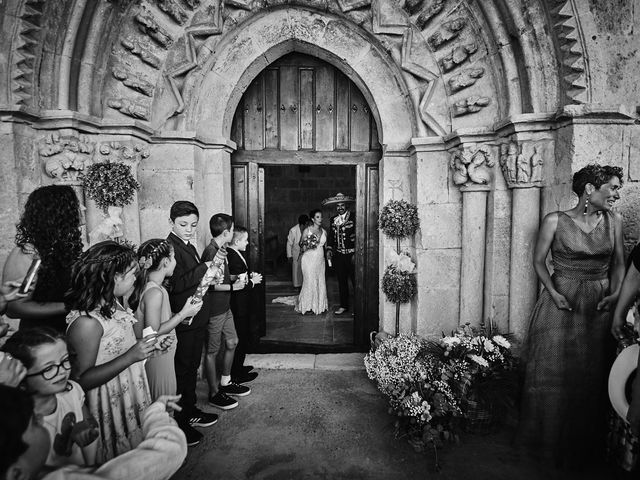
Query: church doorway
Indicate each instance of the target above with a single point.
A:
(304, 133)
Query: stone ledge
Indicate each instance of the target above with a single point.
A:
(306, 361)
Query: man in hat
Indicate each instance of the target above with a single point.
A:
(341, 246)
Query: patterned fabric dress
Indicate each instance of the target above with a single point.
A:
(118, 404)
(313, 295)
(567, 354)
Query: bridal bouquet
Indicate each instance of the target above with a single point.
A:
(309, 242)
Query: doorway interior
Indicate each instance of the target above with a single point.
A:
(290, 191)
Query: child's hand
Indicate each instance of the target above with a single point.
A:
(86, 432)
(142, 349)
(239, 284)
(170, 402)
(12, 371)
(190, 309)
(256, 278)
(164, 344)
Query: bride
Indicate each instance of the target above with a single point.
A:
(313, 295)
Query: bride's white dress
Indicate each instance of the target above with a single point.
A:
(313, 295)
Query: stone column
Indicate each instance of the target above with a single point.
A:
(523, 174)
(471, 168)
(523, 281)
(474, 227)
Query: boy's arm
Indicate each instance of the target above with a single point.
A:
(183, 280)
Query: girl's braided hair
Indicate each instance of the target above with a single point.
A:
(150, 255)
(93, 277)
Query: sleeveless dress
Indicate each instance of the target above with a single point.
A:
(313, 295)
(118, 404)
(567, 354)
(161, 372)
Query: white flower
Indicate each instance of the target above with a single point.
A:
(500, 340)
(479, 360)
(488, 345)
(451, 341)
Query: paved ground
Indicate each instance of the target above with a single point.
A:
(320, 417)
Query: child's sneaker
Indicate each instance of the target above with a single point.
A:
(235, 390)
(222, 401)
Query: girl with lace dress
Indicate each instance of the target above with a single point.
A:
(313, 294)
(108, 361)
(150, 300)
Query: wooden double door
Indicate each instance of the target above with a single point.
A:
(303, 111)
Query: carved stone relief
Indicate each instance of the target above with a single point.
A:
(448, 31)
(465, 78)
(142, 50)
(147, 24)
(174, 10)
(518, 168)
(129, 107)
(25, 59)
(426, 10)
(470, 105)
(458, 55)
(120, 152)
(133, 80)
(64, 157)
(471, 164)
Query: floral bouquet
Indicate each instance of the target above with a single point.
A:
(110, 184)
(399, 281)
(309, 242)
(481, 369)
(399, 219)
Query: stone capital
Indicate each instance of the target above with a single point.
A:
(472, 165)
(522, 164)
(122, 153)
(64, 157)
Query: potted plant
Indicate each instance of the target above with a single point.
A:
(112, 186)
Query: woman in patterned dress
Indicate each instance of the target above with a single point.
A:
(568, 348)
(108, 361)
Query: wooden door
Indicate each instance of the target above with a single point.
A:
(248, 211)
(366, 293)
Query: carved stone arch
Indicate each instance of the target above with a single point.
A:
(257, 43)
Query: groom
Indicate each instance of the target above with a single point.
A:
(341, 246)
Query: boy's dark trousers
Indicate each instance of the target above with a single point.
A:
(241, 319)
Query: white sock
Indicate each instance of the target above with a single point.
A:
(225, 380)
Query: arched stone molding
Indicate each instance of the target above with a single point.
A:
(259, 42)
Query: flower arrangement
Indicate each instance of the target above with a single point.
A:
(435, 386)
(309, 242)
(110, 184)
(399, 280)
(399, 219)
(426, 406)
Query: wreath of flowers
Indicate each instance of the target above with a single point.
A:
(110, 184)
(399, 219)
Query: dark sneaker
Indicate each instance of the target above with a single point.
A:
(235, 390)
(202, 419)
(193, 435)
(222, 401)
(245, 377)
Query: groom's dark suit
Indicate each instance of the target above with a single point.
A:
(182, 284)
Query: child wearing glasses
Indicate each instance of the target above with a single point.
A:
(108, 362)
(58, 401)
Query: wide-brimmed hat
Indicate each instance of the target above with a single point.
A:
(339, 198)
(625, 364)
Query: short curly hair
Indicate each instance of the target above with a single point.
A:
(50, 224)
(596, 175)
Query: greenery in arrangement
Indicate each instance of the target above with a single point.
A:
(110, 184)
(399, 286)
(434, 387)
(399, 219)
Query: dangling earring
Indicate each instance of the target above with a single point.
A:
(586, 204)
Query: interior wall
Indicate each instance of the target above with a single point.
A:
(293, 190)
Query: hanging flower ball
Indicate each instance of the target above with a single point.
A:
(110, 184)
(399, 286)
(399, 219)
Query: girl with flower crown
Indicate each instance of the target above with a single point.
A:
(108, 357)
(150, 300)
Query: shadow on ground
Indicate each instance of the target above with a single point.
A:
(318, 424)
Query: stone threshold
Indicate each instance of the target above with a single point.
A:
(306, 361)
